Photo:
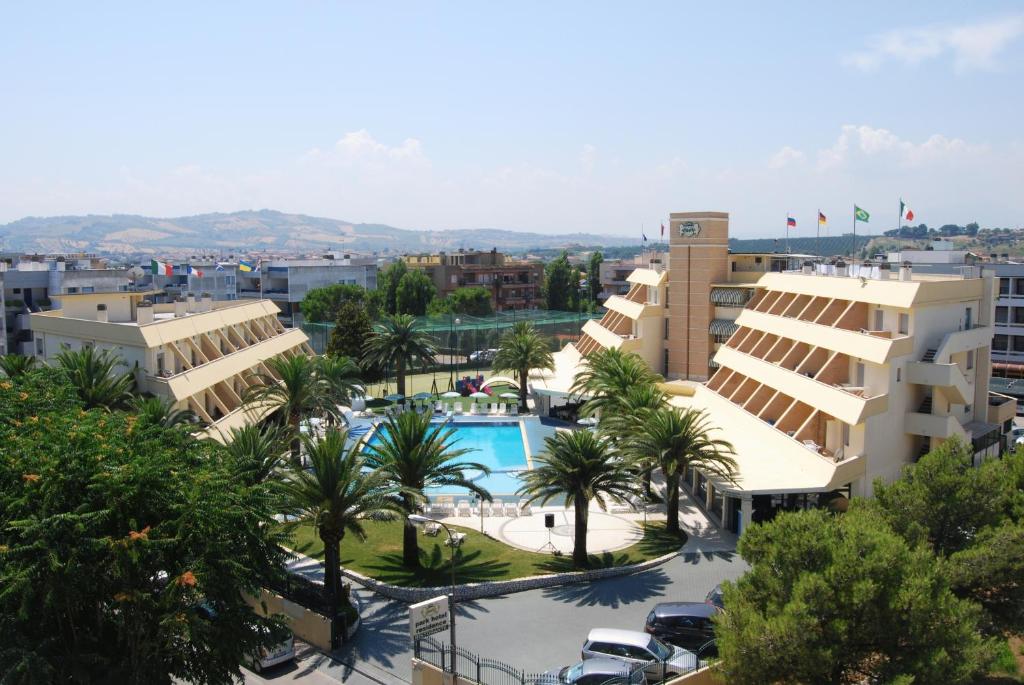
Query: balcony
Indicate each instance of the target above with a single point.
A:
(630, 309)
(948, 377)
(609, 340)
(1001, 408)
(934, 426)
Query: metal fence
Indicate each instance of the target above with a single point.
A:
(458, 336)
(487, 671)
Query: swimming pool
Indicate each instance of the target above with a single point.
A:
(497, 445)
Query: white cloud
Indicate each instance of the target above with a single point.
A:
(588, 157)
(972, 46)
(866, 141)
(787, 155)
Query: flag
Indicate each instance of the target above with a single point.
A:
(645, 236)
(905, 211)
(162, 268)
(822, 221)
(192, 271)
(860, 215)
(246, 266)
(663, 230)
(790, 222)
(220, 267)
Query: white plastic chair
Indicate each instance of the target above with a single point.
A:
(511, 510)
(497, 508)
(464, 510)
(458, 407)
(514, 410)
(473, 408)
(524, 508)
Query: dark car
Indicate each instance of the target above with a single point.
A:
(595, 672)
(684, 624)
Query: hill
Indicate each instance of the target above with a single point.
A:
(263, 230)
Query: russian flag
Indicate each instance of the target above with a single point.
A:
(790, 222)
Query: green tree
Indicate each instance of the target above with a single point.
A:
(337, 494)
(475, 301)
(607, 377)
(397, 342)
(594, 274)
(579, 467)
(94, 375)
(521, 349)
(558, 283)
(325, 303)
(414, 455)
(256, 451)
(388, 279)
(843, 599)
(673, 439)
(630, 417)
(576, 295)
(415, 292)
(352, 327)
(294, 390)
(342, 381)
(160, 412)
(118, 540)
(13, 365)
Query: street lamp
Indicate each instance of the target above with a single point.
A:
(458, 350)
(417, 518)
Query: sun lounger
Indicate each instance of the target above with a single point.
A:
(473, 408)
(524, 508)
(511, 510)
(497, 508)
(502, 409)
(432, 529)
(514, 410)
(464, 509)
(455, 539)
(458, 407)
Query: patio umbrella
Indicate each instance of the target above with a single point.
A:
(451, 394)
(587, 422)
(479, 396)
(422, 396)
(377, 403)
(509, 396)
(395, 398)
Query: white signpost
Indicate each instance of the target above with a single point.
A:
(429, 617)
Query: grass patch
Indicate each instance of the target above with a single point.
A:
(480, 558)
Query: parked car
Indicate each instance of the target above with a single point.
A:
(683, 624)
(714, 598)
(272, 656)
(595, 672)
(634, 647)
(483, 355)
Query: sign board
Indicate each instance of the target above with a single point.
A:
(689, 229)
(429, 617)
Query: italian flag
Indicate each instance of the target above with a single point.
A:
(905, 211)
(162, 268)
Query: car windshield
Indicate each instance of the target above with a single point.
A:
(570, 674)
(659, 649)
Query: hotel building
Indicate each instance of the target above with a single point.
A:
(200, 354)
(831, 378)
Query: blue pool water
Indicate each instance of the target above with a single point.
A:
(499, 446)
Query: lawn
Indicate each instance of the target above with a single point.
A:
(480, 558)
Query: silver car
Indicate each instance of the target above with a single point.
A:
(595, 672)
(634, 647)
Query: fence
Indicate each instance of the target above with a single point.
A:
(484, 671)
(457, 341)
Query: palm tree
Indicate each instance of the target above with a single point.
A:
(521, 349)
(92, 373)
(295, 389)
(14, 365)
(630, 418)
(157, 411)
(607, 377)
(341, 376)
(257, 451)
(337, 494)
(398, 342)
(674, 439)
(414, 455)
(580, 466)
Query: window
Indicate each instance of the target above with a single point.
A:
(904, 324)
(17, 291)
(970, 359)
(1002, 314)
(846, 435)
(1018, 316)
(666, 360)
(898, 375)
(999, 341)
(1019, 286)
(72, 291)
(968, 319)
(39, 346)
(1018, 343)
(879, 319)
(88, 289)
(665, 322)
(967, 409)
(1004, 286)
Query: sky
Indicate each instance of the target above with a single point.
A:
(553, 117)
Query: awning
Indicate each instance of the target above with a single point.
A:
(731, 297)
(723, 327)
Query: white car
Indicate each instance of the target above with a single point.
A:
(634, 647)
(272, 656)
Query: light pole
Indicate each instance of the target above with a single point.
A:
(458, 350)
(417, 518)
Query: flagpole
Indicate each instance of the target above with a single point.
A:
(787, 233)
(853, 249)
(817, 233)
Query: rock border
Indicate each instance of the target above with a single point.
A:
(503, 587)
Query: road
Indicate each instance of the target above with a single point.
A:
(533, 630)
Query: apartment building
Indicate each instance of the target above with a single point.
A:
(513, 284)
(614, 273)
(199, 353)
(681, 307)
(205, 277)
(285, 282)
(832, 376)
(28, 283)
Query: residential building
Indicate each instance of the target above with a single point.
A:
(286, 281)
(512, 283)
(678, 311)
(831, 378)
(205, 277)
(614, 272)
(28, 283)
(198, 353)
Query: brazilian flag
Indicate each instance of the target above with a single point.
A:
(860, 215)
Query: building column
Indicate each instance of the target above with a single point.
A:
(747, 511)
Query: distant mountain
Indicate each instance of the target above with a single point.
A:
(264, 230)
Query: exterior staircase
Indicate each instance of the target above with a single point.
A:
(929, 355)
